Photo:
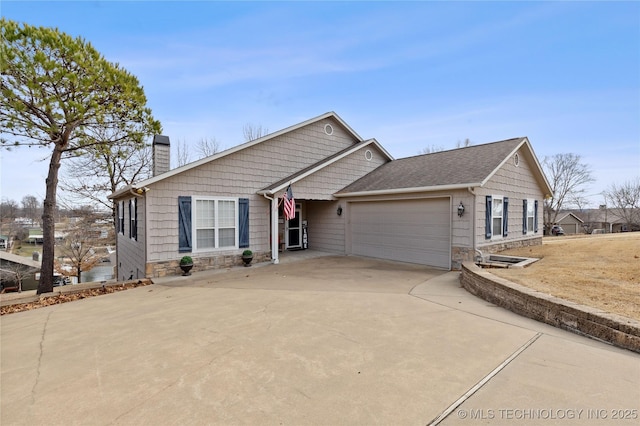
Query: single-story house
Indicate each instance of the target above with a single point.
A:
(6, 242)
(608, 220)
(351, 197)
(17, 272)
(571, 224)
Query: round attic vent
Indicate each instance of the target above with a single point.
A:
(368, 155)
(516, 160)
(328, 129)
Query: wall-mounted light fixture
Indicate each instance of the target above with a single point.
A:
(339, 211)
(460, 209)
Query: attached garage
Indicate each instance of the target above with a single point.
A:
(414, 231)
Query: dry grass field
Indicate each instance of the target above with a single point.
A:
(602, 271)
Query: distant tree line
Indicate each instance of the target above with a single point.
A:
(31, 208)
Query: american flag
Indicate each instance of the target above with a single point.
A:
(289, 204)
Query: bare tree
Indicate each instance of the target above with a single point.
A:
(463, 144)
(431, 149)
(79, 244)
(183, 154)
(14, 273)
(207, 147)
(567, 176)
(252, 132)
(8, 209)
(579, 201)
(625, 199)
(107, 166)
(31, 207)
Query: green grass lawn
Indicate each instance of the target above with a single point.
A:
(27, 249)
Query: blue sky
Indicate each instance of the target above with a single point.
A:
(410, 74)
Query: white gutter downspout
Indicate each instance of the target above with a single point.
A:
(274, 229)
(473, 224)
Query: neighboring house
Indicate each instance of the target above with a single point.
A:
(6, 242)
(17, 271)
(571, 224)
(608, 220)
(36, 236)
(351, 197)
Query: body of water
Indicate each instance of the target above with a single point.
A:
(102, 272)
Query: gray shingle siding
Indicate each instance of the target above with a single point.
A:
(131, 253)
(241, 174)
(516, 183)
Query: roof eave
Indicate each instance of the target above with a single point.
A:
(408, 190)
(237, 148)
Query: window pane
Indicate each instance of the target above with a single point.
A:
(295, 222)
(530, 224)
(226, 214)
(227, 237)
(497, 226)
(530, 208)
(205, 214)
(205, 238)
(497, 207)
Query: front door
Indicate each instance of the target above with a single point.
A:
(293, 230)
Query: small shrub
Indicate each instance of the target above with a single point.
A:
(247, 253)
(186, 260)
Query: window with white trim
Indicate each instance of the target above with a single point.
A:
(133, 217)
(496, 220)
(496, 217)
(531, 214)
(215, 223)
(121, 217)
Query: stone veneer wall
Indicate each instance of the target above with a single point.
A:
(506, 245)
(459, 255)
(585, 320)
(164, 269)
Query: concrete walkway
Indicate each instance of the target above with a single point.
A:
(326, 340)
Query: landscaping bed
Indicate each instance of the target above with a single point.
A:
(69, 294)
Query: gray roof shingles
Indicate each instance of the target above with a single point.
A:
(460, 166)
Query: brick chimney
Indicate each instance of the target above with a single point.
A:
(161, 154)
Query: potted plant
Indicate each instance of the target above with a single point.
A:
(247, 257)
(186, 263)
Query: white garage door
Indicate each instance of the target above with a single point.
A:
(415, 231)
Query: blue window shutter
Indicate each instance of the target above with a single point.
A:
(524, 216)
(243, 222)
(184, 224)
(505, 217)
(487, 218)
(535, 216)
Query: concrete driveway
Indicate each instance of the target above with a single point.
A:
(326, 341)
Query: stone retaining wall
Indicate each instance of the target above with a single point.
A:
(615, 329)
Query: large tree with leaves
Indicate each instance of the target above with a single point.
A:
(56, 89)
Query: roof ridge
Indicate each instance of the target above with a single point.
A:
(519, 138)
